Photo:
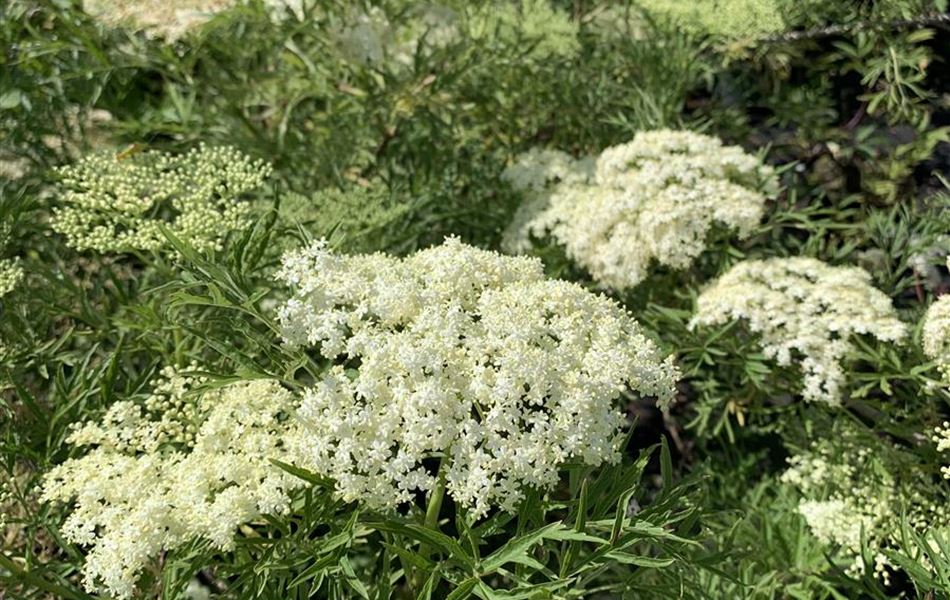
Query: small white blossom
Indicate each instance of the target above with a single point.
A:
(806, 312)
(654, 199)
(145, 487)
(11, 273)
(117, 204)
(465, 354)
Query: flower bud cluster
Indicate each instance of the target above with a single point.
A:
(732, 19)
(464, 355)
(114, 203)
(850, 494)
(941, 437)
(11, 273)
(654, 199)
(806, 312)
(354, 214)
(170, 415)
(137, 493)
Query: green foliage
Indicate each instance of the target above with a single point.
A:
(388, 125)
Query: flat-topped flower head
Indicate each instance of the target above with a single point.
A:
(652, 200)
(936, 332)
(462, 354)
(806, 312)
(173, 469)
(113, 203)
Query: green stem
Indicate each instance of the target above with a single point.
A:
(435, 503)
(433, 508)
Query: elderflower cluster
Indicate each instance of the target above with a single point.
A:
(116, 203)
(147, 486)
(805, 311)
(462, 354)
(849, 494)
(654, 199)
(168, 19)
(936, 332)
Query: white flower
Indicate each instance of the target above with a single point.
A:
(140, 491)
(806, 312)
(654, 199)
(936, 332)
(464, 354)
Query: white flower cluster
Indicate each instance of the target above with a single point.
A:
(936, 332)
(654, 199)
(805, 311)
(847, 493)
(462, 354)
(168, 19)
(114, 203)
(137, 493)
